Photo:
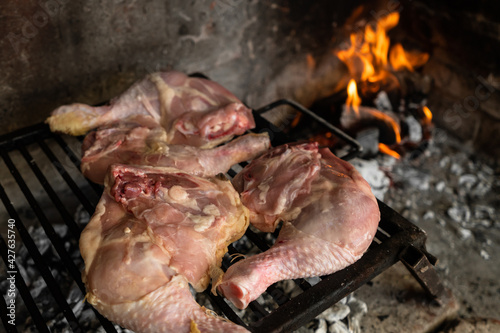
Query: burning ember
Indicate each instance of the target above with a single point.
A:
(372, 65)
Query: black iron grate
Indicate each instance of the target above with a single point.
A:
(44, 173)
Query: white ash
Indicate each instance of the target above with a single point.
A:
(414, 129)
(485, 255)
(382, 102)
(371, 171)
(452, 187)
(343, 317)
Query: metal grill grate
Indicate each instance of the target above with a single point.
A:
(43, 175)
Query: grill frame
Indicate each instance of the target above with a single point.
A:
(397, 239)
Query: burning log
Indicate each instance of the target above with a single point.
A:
(377, 67)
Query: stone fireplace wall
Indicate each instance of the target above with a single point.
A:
(58, 51)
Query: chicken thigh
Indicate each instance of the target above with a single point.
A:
(154, 231)
(193, 111)
(133, 143)
(329, 214)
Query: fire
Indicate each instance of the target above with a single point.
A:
(401, 59)
(367, 56)
(353, 99)
(386, 150)
(370, 59)
(388, 119)
(427, 114)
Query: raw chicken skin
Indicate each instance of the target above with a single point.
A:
(268, 194)
(154, 231)
(193, 111)
(330, 218)
(133, 143)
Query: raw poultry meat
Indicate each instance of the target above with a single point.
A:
(155, 230)
(193, 111)
(133, 142)
(329, 214)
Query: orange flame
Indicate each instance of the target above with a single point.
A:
(428, 115)
(380, 44)
(401, 59)
(388, 119)
(353, 100)
(368, 60)
(386, 150)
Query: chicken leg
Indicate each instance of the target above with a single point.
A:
(330, 218)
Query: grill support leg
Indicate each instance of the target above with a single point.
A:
(421, 266)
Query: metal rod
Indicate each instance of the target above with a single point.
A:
(39, 261)
(76, 161)
(356, 147)
(89, 207)
(68, 219)
(22, 288)
(58, 245)
(46, 225)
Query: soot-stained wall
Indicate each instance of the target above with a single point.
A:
(59, 51)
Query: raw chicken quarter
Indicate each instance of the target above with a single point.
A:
(155, 230)
(136, 142)
(329, 214)
(193, 111)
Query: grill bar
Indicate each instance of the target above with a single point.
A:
(76, 161)
(394, 237)
(68, 219)
(43, 267)
(39, 261)
(25, 294)
(356, 147)
(89, 207)
(46, 225)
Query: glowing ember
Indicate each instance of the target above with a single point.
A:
(353, 100)
(386, 150)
